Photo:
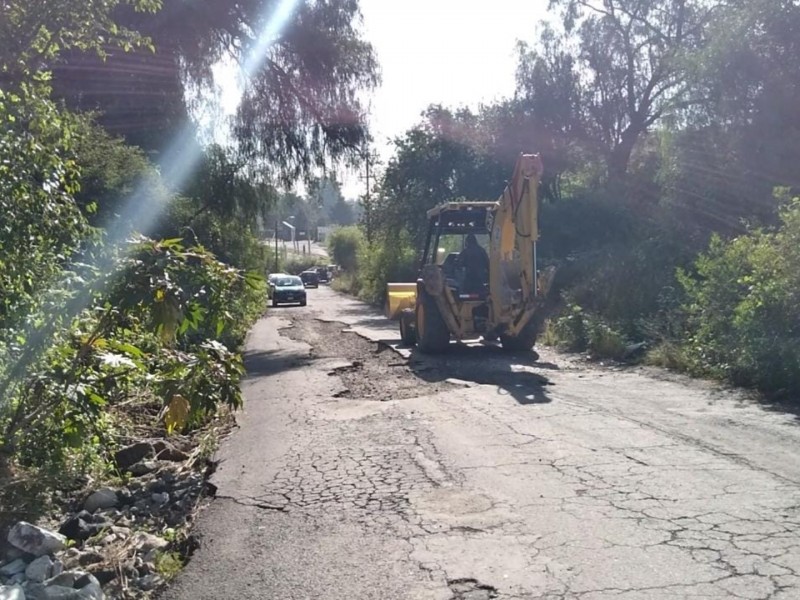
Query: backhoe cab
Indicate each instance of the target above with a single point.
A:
(478, 274)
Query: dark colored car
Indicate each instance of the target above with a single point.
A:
(310, 278)
(271, 281)
(288, 289)
(322, 273)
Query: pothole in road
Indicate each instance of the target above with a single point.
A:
(372, 372)
(470, 589)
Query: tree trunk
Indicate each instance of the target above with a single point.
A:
(620, 156)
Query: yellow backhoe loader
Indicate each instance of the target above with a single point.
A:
(478, 275)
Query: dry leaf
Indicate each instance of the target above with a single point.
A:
(177, 414)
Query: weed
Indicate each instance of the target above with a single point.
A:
(669, 356)
(604, 341)
(168, 564)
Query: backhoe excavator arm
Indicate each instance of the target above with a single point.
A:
(512, 253)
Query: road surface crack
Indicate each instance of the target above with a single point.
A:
(251, 502)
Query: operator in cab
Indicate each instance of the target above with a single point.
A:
(476, 265)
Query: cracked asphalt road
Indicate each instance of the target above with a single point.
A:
(359, 471)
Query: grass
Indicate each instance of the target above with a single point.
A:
(346, 283)
(168, 564)
(606, 342)
(548, 337)
(669, 356)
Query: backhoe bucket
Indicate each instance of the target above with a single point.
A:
(398, 297)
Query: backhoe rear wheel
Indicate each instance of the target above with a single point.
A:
(524, 341)
(433, 337)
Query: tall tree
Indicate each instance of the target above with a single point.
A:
(632, 62)
(323, 194)
(752, 72)
(443, 158)
(33, 33)
(300, 106)
(733, 150)
(546, 111)
(42, 224)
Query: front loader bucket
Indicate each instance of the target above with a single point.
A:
(398, 297)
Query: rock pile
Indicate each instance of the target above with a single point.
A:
(114, 543)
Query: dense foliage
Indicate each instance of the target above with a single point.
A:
(104, 329)
(165, 321)
(743, 305)
(85, 327)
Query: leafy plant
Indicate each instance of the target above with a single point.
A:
(168, 564)
(297, 264)
(569, 331)
(153, 331)
(344, 245)
(744, 307)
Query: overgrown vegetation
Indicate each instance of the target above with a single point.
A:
(110, 322)
(743, 307)
(87, 327)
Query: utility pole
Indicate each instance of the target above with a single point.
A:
(276, 245)
(369, 158)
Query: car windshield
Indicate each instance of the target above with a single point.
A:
(288, 281)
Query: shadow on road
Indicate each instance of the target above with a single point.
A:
(487, 365)
(269, 362)
(787, 405)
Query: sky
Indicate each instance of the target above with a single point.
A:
(450, 52)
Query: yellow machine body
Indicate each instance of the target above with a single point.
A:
(509, 304)
(398, 297)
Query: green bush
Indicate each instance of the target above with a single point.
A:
(669, 355)
(164, 321)
(617, 261)
(346, 283)
(110, 172)
(296, 264)
(604, 341)
(576, 226)
(345, 246)
(576, 330)
(383, 261)
(43, 227)
(569, 332)
(744, 307)
(231, 239)
(631, 284)
(368, 267)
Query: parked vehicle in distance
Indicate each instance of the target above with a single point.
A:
(323, 274)
(310, 278)
(288, 289)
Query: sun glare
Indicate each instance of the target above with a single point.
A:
(182, 155)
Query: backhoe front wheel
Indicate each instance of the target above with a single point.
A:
(433, 337)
